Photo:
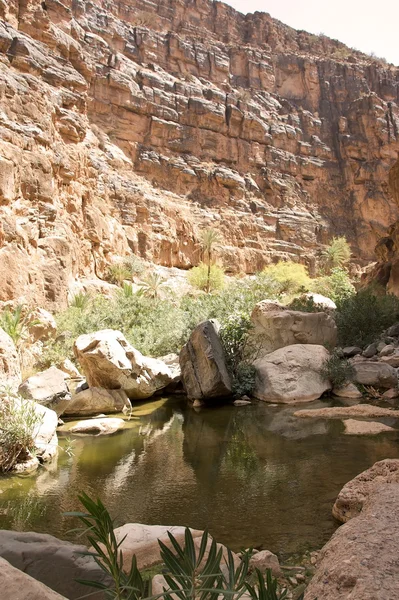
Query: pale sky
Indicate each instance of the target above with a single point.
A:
(369, 26)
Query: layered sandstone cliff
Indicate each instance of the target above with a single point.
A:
(130, 126)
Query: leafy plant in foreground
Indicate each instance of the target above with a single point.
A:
(337, 370)
(190, 573)
(16, 324)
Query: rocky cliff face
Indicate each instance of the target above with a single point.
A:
(130, 126)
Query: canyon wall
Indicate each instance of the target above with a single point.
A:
(131, 126)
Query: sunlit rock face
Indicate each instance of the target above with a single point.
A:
(128, 129)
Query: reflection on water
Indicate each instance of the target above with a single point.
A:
(255, 475)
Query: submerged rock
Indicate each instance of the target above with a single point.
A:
(203, 366)
(55, 563)
(109, 361)
(339, 412)
(99, 426)
(291, 375)
(360, 561)
(353, 495)
(355, 427)
(275, 326)
(48, 388)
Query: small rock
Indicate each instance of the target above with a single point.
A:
(347, 391)
(266, 560)
(391, 359)
(99, 426)
(391, 394)
(351, 351)
(197, 403)
(389, 349)
(393, 330)
(241, 402)
(69, 368)
(380, 346)
(370, 351)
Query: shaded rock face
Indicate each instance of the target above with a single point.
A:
(291, 375)
(95, 401)
(375, 373)
(132, 126)
(54, 562)
(360, 561)
(203, 368)
(109, 361)
(16, 584)
(10, 367)
(276, 327)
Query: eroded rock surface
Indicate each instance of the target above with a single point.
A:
(354, 494)
(109, 361)
(131, 127)
(95, 400)
(10, 367)
(291, 375)
(48, 388)
(361, 559)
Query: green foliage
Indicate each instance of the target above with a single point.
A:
(80, 300)
(190, 573)
(209, 238)
(337, 285)
(107, 553)
(206, 277)
(19, 424)
(134, 264)
(24, 513)
(336, 255)
(240, 352)
(118, 272)
(15, 323)
(363, 317)
(54, 354)
(305, 304)
(292, 277)
(337, 370)
(127, 290)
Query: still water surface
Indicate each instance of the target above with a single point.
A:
(254, 475)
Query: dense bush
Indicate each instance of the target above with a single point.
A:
(337, 370)
(206, 278)
(361, 318)
(240, 353)
(337, 285)
(336, 255)
(292, 277)
(19, 423)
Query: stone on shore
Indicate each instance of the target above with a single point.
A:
(94, 401)
(355, 427)
(109, 361)
(48, 388)
(203, 366)
(291, 375)
(53, 562)
(105, 426)
(374, 373)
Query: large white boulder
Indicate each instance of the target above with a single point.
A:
(203, 367)
(275, 326)
(10, 367)
(48, 388)
(292, 374)
(109, 361)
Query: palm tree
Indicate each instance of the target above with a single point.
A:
(337, 254)
(209, 238)
(151, 286)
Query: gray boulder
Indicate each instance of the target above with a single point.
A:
(375, 373)
(16, 585)
(95, 401)
(202, 361)
(53, 562)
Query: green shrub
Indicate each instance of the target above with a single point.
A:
(16, 324)
(206, 278)
(189, 573)
(151, 286)
(336, 286)
(80, 300)
(240, 352)
(134, 264)
(19, 423)
(337, 370)
(118, 272)
(292, 277)
(363, 317)
(305, 304)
